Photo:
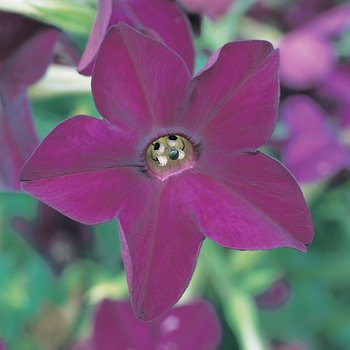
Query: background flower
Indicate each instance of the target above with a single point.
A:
(60, 240)
(159, 19)
(189, 326)
(25, 52)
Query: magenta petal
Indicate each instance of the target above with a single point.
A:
(138, 82)
(187, 327)
(307, 54)
(29, 63)
(306, 59)
(198, 327)
(18, 137)
(2, 345)
(159, 19)
(104, 12)
(169, 25)
(234, 103)
(330, 24)
(160, 245)
(76, 166)
(313, 151)
(250, 203)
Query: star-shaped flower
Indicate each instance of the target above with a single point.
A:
(159, 19)
(186, 327)
(175, 159)
(25, 52)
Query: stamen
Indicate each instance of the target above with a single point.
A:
(181, 153)
(158, 147)
(162, 161)
(172, 140)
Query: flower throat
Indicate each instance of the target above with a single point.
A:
(169, 154)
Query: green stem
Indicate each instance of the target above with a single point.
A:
(240, 310)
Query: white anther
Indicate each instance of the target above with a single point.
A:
(162, 161)
(172, 143)
(160, 147)
(181, 153)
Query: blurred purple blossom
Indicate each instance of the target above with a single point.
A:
(336, 91)
(214, 9)
(316, 148)
(159, 19)
(308, 55)
(2, 345)
(275, 296)
(57, 238)
(175, 160)
(25, 52)
(186, 327)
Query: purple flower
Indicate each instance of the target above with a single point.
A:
(57, 238)
(276, 296)
(308, 55)
(25, 52)
(187, 327)
(175, 160)
(336, 89)
(211, 8)
(2, 345)
(159, 19)
(315, 149)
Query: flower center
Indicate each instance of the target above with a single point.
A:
(169, 155)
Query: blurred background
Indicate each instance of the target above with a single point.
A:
(54, 271)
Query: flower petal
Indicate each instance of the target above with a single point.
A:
(330, 24)
(30, 61)
(83, 168)
(168, 23)
(306, 70)
(250, 203)
(186, 327)
(99, 29)
(198, 327)
(18, 138)
(160, 246)
(115, 327)
(159, 19)
(234, 103)
(313, 151)
(138, 82)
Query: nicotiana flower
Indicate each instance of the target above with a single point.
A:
(336, 90)
(275, 296)
(59, 239)
(211, 8)
(175, 159)
(316, 149)
(159, 19)
(308, 55)
(186, 327)
(25, 52)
